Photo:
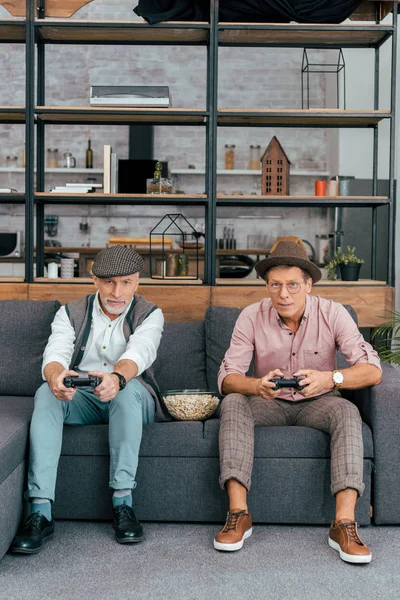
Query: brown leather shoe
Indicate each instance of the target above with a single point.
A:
(344, 538)
(237, 528)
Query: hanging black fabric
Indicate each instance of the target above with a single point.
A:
(260, 11)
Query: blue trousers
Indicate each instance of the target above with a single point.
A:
(126, 414)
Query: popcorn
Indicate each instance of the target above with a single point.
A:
(191, 406)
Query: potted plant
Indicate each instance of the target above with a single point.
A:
(388, 338)
(348, 263)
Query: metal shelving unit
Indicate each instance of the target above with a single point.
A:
(37, 32)
(321, 37)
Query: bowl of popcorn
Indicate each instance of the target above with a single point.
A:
(191, 405)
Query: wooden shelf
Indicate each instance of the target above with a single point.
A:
(371, 300)
(6, 279)
(317, 117)
(189, 33)
(87, 280)
(57, 171)
(300, 36)
(316, 201)
(322, 282)
(111, 115)
(12, 30)
(114, 32)
(12, 114)
(248, 172)
(93, 198)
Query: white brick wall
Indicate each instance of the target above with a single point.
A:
(248, 77)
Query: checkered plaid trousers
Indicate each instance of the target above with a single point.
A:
(329, 413)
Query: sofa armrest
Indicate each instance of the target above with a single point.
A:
(380, 409)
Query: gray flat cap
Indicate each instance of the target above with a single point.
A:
(117, 261)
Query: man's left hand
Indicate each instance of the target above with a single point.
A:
(108, 388)
(314, 381)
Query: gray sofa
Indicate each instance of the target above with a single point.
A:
(179, 467)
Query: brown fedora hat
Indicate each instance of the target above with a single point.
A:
(292, 255)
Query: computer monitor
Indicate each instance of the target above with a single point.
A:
(132, 175)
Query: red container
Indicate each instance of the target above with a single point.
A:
(320, 187)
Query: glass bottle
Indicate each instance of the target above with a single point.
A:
(230, 156)
(254, 157)
(89, 156)
(52, 158)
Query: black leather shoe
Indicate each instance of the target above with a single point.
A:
(32, 533)
(126, 526)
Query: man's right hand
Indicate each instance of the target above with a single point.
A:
(56, 384)
(265, 388)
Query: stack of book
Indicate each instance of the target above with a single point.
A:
(145, 96)
(76, 188)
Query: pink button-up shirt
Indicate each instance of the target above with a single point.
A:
(325, 327)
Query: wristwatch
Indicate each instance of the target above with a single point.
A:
(337, 378)
(121, 378)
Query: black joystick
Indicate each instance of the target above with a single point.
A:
(76, 381)
(281, 382)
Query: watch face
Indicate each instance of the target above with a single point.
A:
(338, 377)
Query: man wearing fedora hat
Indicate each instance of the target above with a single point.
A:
(112, 335)
(293, 334)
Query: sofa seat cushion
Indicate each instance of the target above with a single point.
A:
(197, 439)
(181, 357)
(289, 442)
(15, 417)
(176, 438)
(25, 326)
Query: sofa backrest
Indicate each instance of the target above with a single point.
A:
(219, 324)
(24, 331)
(181, 357)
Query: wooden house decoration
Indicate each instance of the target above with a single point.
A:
(275, 170)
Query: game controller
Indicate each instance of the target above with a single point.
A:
(76, 381)
(281, 382)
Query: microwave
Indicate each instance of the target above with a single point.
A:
(10, 244)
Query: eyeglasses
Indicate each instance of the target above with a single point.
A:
(293, 287)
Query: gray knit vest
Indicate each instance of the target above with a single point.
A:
(79, 312)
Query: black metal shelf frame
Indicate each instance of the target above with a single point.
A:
(300, 201)
(123, 200)
(215, 36)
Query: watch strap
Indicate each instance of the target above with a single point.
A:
(121, 379)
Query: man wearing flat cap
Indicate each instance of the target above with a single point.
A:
(293, 334)
(112, 335)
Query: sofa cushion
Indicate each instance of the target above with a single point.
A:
(288, 442)
(14, 430)
(181, 357)
(25, 329)
(177, 438)
(219, 324)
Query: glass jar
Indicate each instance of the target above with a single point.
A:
(254, 157)
(12, 162)
(69, 161)
(230, 156)
(159, 186)
(52, 158)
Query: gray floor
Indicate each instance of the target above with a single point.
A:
(177, 561)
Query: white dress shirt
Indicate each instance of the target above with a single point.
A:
(106, 344)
